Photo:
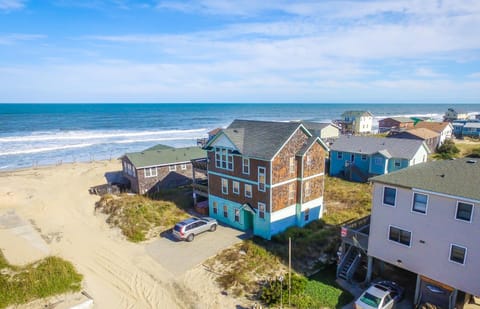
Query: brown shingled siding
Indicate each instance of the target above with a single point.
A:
(317, 154)
(281, 162)
(316, 188)
(280, 196)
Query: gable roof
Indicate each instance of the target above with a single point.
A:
(454, 177)
(313, 126)
(395, 147)
(311, 140)
(357, 113)
(422, 133)
(259, 139)
(398, 119)
(432, 125)
(165, 156)
(159, 147)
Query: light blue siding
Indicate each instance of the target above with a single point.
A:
(392, 167)
(314, 214)
(337, 166)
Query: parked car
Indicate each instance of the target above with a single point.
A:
(189, 228)
(380, 295)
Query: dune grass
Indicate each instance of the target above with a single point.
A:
(47, 277)
(137, 216)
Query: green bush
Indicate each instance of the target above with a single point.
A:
(272, 292)
(448, 150)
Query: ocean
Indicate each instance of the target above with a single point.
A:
(46, 134)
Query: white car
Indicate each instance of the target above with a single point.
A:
(381, 295)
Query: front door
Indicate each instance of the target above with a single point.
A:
(248, 219)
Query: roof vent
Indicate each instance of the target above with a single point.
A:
(235, 130)
(472, 161)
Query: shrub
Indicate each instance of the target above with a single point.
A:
(448, 150)
(272, 292)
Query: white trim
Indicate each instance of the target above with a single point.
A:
(224, 179)
(245, 190)
(312, 176)
(265, 177)
(307, 133)
(383, 196)
(238, 187)
(172, 168)
(264, 210)
(283, 213)
(162, 165)
(312, 204)
(243, 165)
(471, 214)
(398, 242)
(296, 179)
(456, 197)
(413, 204)
(150, 172)
(183, 167)
(450, 254)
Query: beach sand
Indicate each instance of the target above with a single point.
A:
(55, 201)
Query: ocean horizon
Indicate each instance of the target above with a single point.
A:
(53, 133)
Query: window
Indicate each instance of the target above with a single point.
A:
(364, 157)
(183, 167)
(396, 163)
(248, 190)
(308, 190)
(401, 236)
(261, 179)
(224, 186)
(291, 192)
(246, 166)
(236, 187)
(378, 161)
(307, 214)
(150, 172)
(339, 155)
(292, 165)
(464, 211)
(237, 215)
(309, 160)
(458, 254)
(420, 203)
(225, 211)
(389, 196)
(223, 158)
(261, 210)
(215, 207)
(172, 168)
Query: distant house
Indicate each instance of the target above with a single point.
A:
(160, 167)
(359, 157)
(471, 129)
(444, 129)
(431, 138)
(265, 176)
(326, 131)
(452, 115)
(395, 123)
(477, 116)
(356, 122)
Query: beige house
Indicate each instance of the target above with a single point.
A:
(325, 130)
(357, 122)
(426, 219)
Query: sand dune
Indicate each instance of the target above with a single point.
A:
(117, 273)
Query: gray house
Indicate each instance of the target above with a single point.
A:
(426, 219)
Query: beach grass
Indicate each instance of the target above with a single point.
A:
(47, 277)
(139, 217)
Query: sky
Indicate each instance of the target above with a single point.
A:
(401, 51)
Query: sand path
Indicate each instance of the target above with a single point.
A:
(117, 274)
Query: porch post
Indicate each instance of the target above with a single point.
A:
(416, 299)
(193, 186)
(453, 299)
(369, 269)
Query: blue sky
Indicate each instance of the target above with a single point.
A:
(240, 51)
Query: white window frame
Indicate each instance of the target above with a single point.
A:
(215, 207)
(183, 167)
(172, 168)
(246, 167)
(413, 203)
(261, 213)
(308, 188)
(450, 254)
(248, 193)
(291, 165)
(398, 242)
(262, 185)
(224, 155)
(306, 214)
(383, 196)
(225, 186)
(152, 172)
(237, 215)
(471, 213)
(309, 160)
(236, 187)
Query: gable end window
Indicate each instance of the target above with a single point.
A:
(398, 235)
(172, 168)
(420, 203)
(464, 211)
(292, 165)
(389, 195)
(224, 158)
(458, 254)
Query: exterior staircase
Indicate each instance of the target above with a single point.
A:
(349, 263)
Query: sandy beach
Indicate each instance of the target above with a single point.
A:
(55, 203)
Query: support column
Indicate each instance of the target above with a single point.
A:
(416, 299)
(193, 186)
(369, 269)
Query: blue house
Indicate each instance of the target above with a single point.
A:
(471, 129)
(357, 158)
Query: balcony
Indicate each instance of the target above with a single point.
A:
(355, 233)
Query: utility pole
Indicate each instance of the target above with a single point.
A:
(289, 270)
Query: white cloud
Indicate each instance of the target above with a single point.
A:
(9, 39)
(475, 75)
(9, 5)
(427, 72)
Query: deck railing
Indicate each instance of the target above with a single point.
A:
(356, 232)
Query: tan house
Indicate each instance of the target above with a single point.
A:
(444, 129)
(431, 138)
(426, 220)
(325, 130)
(160, 167)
